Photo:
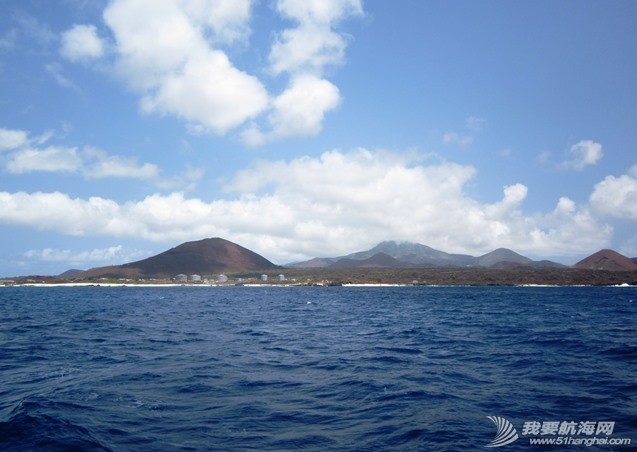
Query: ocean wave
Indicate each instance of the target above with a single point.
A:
(410, 368)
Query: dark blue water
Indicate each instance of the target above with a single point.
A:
(407, 368)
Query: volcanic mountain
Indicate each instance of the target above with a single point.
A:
(378, 260)
(502, 257)
(607, 260)
(202, 257)
(413, 253)
(391, 254)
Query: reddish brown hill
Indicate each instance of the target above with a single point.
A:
(202, 257)
(607, 260)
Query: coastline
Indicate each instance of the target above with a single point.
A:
(380, 285)
(367, 277)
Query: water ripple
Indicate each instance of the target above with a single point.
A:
(357, 369)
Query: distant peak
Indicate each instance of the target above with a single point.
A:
(607, 259)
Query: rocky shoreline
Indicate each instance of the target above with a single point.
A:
(435, 276)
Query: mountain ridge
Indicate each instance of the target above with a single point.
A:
(217, 255)
(410, 252)
(415, 254)
(378, 260)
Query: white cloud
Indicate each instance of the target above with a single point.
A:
(50, 159)
(172, 53)
(227, 18)
(90, 162)
(111, 255)
(81, 42)
(298, 111)
(569, 230)
(52, 254)
(303, 52)
(582, 154)
(617, 196)
(208, 90)
(334, 204)
(319, 11)
(629, 246)
(307, 49)
(12, 139)
(164, 52)
(99, 165)
(25, 156)
(313, 43)
(513, 197)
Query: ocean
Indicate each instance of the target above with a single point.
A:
(318, 368)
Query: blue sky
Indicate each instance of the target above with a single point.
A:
(304, 128)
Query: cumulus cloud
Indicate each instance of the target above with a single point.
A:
(227, 18)
(154, 218)
(582, 154)
(175, 55)
(308, 48)
(328, 205)
(164, 51)
(313, 43)
(303, 52)
(569, 230)
(81, 42)
(12, 139)
(617, 196)
(210, 91)
(298, 111)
